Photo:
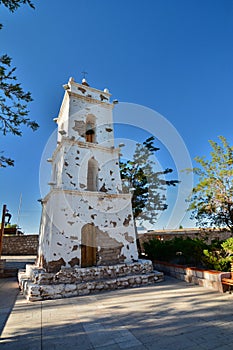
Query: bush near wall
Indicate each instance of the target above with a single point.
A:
(206, 234)
(20, 245)
(178, 250)
(192, 252)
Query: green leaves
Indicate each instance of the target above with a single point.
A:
(228, 246)
(192, 252)
(13, 99)
(146, 184)
(13, 109)
(177, 250)
(219, 255)
(4, 161)
(212, 197)
(13, 5)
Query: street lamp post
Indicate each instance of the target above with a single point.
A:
(2, 227)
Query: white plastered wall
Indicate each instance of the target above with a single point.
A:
(61, 231)
(69, 206)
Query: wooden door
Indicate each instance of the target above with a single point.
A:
(88, 248)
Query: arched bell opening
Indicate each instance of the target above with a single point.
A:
(90, 134)
(92, 175)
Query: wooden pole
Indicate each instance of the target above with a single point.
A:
(2, 228)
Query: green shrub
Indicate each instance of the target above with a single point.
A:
(228, 246)
(215, 260)
(158, 250)
(216, 256)
(219, 255)
(178, 250)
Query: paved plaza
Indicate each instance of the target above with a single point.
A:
(171, 315)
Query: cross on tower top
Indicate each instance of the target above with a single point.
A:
(84, 74)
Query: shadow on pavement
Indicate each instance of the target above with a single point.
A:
(8, 293)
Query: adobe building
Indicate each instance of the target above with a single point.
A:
(87, 224)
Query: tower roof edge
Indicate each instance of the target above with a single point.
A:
(81, 86)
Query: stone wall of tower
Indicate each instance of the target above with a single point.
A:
(61, 229)
(86, 219)
(70, 166)
(78, 106)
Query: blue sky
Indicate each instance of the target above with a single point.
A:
(172, 56)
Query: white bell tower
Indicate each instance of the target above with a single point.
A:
(86, 219)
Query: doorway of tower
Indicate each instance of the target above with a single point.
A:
(88, 246)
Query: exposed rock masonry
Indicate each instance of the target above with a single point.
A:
(36, 284)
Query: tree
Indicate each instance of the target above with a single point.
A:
(211, 202)
(13, 5)
(13, 100)
(147, 184)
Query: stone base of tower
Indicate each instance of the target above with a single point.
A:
(37, 284)
(86, 229)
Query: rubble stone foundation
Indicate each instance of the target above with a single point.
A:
(37, 284)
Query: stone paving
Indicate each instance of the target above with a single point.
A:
(18, 261)
(172, 315)
(8, 293)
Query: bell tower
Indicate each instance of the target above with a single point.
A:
(86, 219)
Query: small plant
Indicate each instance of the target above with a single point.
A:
(215, 260)
(228, 247)
(219, 256)
(11, 226)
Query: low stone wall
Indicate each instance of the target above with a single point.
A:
(28, 244)
(20, 245)
(205, 278)
(37, 284)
